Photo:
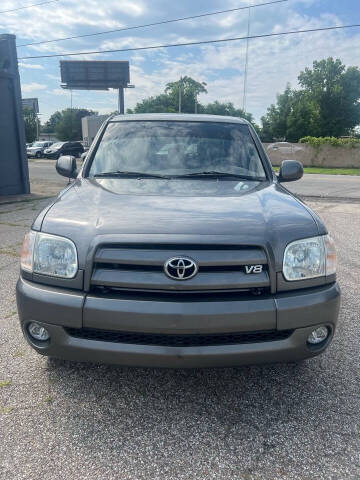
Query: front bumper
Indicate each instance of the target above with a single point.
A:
(300, 311)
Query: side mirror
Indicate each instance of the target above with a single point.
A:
(66, 166)
(290, 171)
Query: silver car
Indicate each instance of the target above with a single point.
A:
(37, 149)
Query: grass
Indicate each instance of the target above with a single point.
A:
(5, 383)
(329, 171)
(6, 410)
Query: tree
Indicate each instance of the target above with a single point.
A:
(303, 117)
(227, 109)
(274, 123)
(30, 121)
(67, 125)
(50, 125)
(190, 90)
(159, 104)
(326, 105)
(336, 90)
(168, 102)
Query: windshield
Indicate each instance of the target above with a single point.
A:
(57, 145)
(173, 148)
(39, 144)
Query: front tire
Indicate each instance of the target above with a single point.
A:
(38, 155)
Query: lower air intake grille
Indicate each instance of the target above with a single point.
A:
(174, 340)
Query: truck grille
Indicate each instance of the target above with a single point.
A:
(141, 267)
(174, 340)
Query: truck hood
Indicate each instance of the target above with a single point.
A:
(176, 211)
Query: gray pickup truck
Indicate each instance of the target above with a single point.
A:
(177, 246)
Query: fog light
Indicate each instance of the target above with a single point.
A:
(318, 335)
(38, 332)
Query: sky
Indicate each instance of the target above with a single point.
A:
(273, 62)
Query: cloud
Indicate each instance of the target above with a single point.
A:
(62, 92)
(31, 66)
(32, 87)
(273, 61)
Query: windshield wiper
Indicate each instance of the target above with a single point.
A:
(125, 173)
(216, 174)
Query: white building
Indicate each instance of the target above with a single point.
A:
(48, 137)
(90, 126)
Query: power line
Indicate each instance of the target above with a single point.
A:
(186, 44)
(29, 6)
(163, 22)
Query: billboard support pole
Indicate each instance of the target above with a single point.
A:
(121, 100)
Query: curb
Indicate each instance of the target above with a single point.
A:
(9, 199)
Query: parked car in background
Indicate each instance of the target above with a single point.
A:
(64, 148)
(284, 148)
(29, 144)
(37, 149)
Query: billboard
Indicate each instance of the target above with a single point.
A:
(31, 104)
(94, 75)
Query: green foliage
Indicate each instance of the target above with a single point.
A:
(5, 383)
(227, 109)
(274, 122)
(168, 102)
(159, 104)
(326, 105)
(67, 123)
(329, 171)
(318, 142)
(30, 120)
(190, 89)
(50, 125)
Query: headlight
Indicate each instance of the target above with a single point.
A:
(309, 258)
(49, 255)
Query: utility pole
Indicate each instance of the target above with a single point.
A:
(71, 115)
(196, 104)
(180, 88)
(246, 62)
(37, 127)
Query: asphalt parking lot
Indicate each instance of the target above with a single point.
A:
(85, 421)
(45, 180)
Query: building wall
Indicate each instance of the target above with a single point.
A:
(90, 126)
(325, 156)
(48, 137)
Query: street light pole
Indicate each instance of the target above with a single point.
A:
(37, 127)
(180, 87)
(246, 62)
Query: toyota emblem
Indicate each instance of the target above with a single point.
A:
(180, 268)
